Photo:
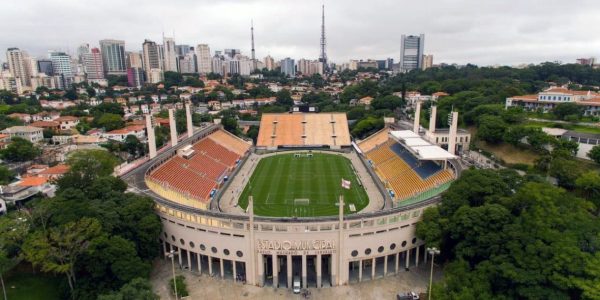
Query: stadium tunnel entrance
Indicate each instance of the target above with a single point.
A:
(312, 271)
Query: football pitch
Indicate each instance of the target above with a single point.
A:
(288, 186)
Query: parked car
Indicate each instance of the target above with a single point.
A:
(407, 296)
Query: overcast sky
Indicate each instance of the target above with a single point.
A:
(484, 32)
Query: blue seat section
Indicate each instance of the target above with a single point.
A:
(424, 168)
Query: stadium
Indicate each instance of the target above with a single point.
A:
(305, 202)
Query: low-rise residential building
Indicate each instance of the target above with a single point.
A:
(549, 98)
(4, 140)
(119, 135)
(26, 118)
(67, 122)
(46, 125)
(30, 133)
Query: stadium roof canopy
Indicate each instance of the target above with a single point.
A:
(421, 148)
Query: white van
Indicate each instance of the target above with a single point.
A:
(296, 286)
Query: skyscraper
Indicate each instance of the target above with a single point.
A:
(61, 66)
(427, 61)
(134, 60)
(45, 66)
(81, 50)
(170, 55)
(135, 77)
(269, 63)
(204, 59)
(287, 67)
(16, 65)
(187, 63)
(411, 52)
(92, 64)
(113, 57)
(151, 56)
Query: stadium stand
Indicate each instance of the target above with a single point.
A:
(309, 129)
(230, 142)
(197, 176)
(374, 140)
(400, 170)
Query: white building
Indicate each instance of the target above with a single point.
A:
(548, 99)
(92, 63)
(16, 65)
(30, 133)
(170, 55)
(204, 59)
(156, 76)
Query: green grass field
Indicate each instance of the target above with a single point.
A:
(279, 181)
(29, 286)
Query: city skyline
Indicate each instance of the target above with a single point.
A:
(485, 34)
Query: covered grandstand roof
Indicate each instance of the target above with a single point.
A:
(303, 130)
(421, 148)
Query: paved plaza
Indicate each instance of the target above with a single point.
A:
(206, 287)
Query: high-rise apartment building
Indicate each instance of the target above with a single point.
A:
(92, 64)
(269, 63)
(156, 76)
(81, 50)
(17, 66)
(183, 50)
(134, 60)
(427, 61)
(287, 67)
(61, 66)
(204, 60)
(411, 52)
(135, 77)
(45, 66)
(217, 65)
(187, 63)
(170, 55)
(151, 57)
(231, 53)
(113, 57)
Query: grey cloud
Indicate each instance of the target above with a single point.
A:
(457, 31)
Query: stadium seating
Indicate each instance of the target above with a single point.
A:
(230, 142)
(374, 140)
(401, 171)
(219, 153)
(303, 129)
(198, 175)
(423, 168)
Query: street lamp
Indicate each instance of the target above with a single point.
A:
(172, 254)
(432, 251)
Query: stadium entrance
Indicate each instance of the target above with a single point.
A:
(282, 270)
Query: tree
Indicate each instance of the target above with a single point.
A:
(6, 175)
(387, 102)
(87, 166)
(138, 288)
(563, 110)
(491, 129)
(133, 146)
(594, 154)
(284, 97)
(181, 286)
(58, 249)
(506, 238)
(107, 107)
(109, 121)
(20, 150)
(230, 124)
(588, 186)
